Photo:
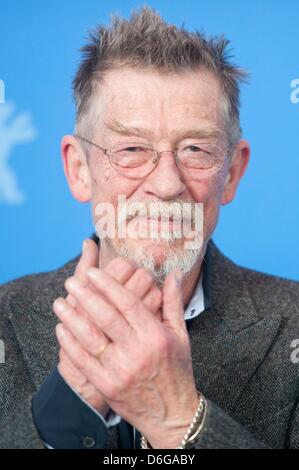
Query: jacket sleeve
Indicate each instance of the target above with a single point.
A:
(292, 441)
(18, 431)
(64, 421)
(17, 428)
(59, 418)
(220, 431)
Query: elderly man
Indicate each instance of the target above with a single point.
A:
(160, 344)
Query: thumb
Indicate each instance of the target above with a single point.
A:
(89, 259)
(173, 307)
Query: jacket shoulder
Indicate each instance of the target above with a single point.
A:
(262, 286)
(271, 292)
(27, 289)
(268, 282)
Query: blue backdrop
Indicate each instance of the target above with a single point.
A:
(42, 226)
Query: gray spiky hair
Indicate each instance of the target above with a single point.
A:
(145, 40)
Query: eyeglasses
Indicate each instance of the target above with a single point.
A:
(135, 161)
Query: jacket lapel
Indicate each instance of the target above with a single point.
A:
(230, 339)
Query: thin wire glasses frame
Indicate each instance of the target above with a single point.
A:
(150, 163)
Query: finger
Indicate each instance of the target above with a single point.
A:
(103, 314)
(121, 269)
(125, 301)
(89, 258)
(173, 307)
(69, 372)
(88, 365)
(82, 329)
(153, 300)
(63, 358)
(140, 282)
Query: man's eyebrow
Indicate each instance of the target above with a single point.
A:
(198, 133)
(179, 134)
(119, 128)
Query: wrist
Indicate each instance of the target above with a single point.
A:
(181, 438)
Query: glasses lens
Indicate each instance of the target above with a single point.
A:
(132, 160)
(198, 160)
(201, 160)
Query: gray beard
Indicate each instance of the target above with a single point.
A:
(177, 258)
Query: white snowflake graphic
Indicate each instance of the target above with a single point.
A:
(14, 129)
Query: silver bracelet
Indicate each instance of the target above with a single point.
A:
(194, 430)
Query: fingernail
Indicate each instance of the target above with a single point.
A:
(72, 283)
(84, 245)
(60, 330)
(58, 305)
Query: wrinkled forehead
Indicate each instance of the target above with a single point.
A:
(158, 101)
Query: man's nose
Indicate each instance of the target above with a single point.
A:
(165, 181)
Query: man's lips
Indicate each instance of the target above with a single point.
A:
(156, 220)
(146, 226)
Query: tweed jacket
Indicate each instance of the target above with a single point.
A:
(241, 353)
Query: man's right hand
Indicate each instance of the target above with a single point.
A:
(127, 273)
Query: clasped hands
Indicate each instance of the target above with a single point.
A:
(124, 345)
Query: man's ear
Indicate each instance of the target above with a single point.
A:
(76, 168)
(238, 165)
